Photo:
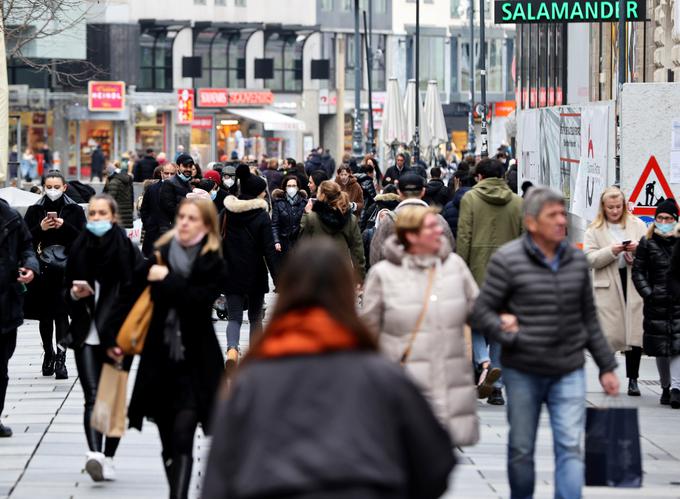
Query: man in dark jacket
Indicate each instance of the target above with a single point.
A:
(314, 164)
(537, 302)
(175, 189)
(18, 266)
(400, 168)
(145, 167)
(97, 163)
(436, 192)
(150, 211)
(328, 162)
(463, 182)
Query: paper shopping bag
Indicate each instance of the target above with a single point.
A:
(108, 415)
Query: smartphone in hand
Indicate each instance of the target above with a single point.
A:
(51, 214)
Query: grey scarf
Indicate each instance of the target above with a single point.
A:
(181, 261)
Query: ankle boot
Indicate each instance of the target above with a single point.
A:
(633, 388)
(60, 365)
(180, 476)
(48, 363)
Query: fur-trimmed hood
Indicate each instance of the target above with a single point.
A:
(236, 205)
(281, 194)
(390, 196)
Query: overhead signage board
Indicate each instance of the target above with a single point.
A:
(106, 95)
(227, 97)
(566, 11)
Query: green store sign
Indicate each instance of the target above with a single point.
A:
(566, 11)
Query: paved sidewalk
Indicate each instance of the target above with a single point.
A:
(45, 457)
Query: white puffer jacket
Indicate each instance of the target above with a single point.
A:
(393, 298)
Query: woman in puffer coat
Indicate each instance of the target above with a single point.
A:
(661, 310)
(287, 209)
(421, 324)
(314, 353)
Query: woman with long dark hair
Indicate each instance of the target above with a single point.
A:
(181, 365)
(100, 270)
(380, 441)
(55, 222)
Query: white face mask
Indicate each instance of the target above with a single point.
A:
(228, 182)
(53, 194)
(291, 191)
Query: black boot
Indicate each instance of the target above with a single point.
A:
(180, 474)
(633, 389)
(48, 363)
(665, 396)
(60, 365)
(675, 398)
(5, 431)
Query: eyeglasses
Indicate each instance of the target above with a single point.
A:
(664, 218)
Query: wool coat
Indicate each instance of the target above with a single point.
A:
(393, 299)
(621, 320)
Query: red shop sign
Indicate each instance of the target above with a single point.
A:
(185, 106)
(202, 122)
(250, 97)
(212, 97)
(106, 95)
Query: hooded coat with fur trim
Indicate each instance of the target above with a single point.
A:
(341, 227)
(438, 361)
(248, 246)
(286, 217)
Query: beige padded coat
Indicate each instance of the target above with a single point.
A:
(621, 321)
(393, 298)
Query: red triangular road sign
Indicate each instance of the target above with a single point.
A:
(647, 205)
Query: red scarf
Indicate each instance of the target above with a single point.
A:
(304, 332)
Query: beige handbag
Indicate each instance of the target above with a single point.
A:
(421, 317)
(108, 414)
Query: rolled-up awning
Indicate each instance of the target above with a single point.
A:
(270, 119)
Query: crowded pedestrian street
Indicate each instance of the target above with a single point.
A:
(44, 458)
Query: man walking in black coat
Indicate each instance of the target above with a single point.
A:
(18, 266)
(436, 192)
(97, 163)
(150, 212)
(537, 302)
(145, 167)
(174, 190)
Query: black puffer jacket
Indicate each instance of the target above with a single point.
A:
(367, 188)
(286, 217)
(661, 312)
(451, 210)
(436, 193)
(16, 251)
(120, 187)
(386, 201)
(248, 246)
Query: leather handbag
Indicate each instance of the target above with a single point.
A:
(133, 332)
(108, 414)
(53, 257)
(421, 317)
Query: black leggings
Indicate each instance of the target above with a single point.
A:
(177, 433)
(58, 324)
(89, 361)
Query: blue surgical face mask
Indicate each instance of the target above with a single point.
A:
(213, 195)
(183, 177)
(664, 228)
(99, 227)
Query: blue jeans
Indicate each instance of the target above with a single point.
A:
(565, 398)
(235, 305)
(481, 353)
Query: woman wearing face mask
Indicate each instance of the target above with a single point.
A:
(287, 209)
(610, 244)
(213, 191)
(181, 365)
(229, 181)
(661, 310)
(249, 252)
(55, 222)
(100, 270)
(120, 187)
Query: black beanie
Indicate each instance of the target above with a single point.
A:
(251, 185)
(668, 206)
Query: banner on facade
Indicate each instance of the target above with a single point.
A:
(224, 97)
(566, 11)
(106, 96)
(592, 168)
(569, 148)
(185, 106)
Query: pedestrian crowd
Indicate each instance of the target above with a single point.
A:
(404, 296)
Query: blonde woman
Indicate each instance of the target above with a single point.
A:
(181, 365)
(610, 245)
(418, 300)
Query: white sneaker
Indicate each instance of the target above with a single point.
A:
(94, 465)
(109, 470)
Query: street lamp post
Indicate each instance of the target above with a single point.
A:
(357, 147)
(472, 146)
(482, 70)
(370, 139)
(416, 134)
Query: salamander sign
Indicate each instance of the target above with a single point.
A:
(566, 11)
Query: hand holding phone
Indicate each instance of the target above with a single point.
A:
(51, 214)
(81, 289)
(626, 242)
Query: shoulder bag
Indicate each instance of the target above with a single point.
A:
(421, 317)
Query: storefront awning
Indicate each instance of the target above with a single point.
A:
(270, 119)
